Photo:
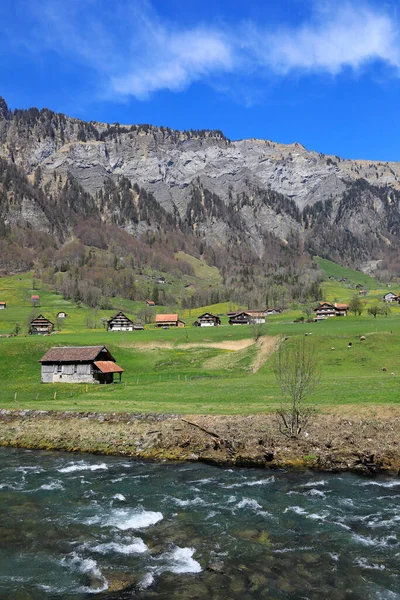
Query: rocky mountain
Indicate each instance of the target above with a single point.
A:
(257, 194)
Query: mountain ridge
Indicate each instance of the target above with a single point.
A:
(221, 193)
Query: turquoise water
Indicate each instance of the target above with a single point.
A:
(81, 526)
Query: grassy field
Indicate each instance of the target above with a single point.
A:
(195, 370)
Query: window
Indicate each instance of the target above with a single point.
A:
(59, 368)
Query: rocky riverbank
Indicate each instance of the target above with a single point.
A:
(351, 438)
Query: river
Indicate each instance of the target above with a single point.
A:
(80, 526)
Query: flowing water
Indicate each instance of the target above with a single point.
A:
(81, 526)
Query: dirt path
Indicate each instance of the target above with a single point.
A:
(267, 345)
(233, 345)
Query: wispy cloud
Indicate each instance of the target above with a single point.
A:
(136, 53)
(337, 37)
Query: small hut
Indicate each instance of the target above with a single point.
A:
(3, 305)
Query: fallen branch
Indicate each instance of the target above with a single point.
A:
(201, 428)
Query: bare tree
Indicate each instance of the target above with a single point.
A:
(296, 370)
(257, 331)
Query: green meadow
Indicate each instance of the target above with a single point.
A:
(179, 371)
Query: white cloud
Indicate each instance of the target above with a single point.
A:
(136, 53)
(174, 60)
(347, 36)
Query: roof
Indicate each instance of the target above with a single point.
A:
(34, 297)
(150, 302)
(207, 315)
(119, 316)
(2, 302)
(254, 313)
(73, 354)
(40, 319)
(166, 318)
(107, 366)
(341, 306)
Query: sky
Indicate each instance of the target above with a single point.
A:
(324, 73)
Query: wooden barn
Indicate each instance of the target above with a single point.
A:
(82, 364)
(3, 305)
(41, 326)
(169, 320)
(119, 322)
(207, 320)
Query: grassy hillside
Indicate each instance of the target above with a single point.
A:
(332, 269)
(180, 371)
(195, 370)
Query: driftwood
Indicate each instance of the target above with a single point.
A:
(201, 428)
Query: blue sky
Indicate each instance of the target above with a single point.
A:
(325, 73)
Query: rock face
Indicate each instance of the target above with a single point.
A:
(344, 209)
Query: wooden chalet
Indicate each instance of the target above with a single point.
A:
(41, 326)
(207, 320)
(82, 364)
(169, 320)
(119, 322)
(325, 310)
(3, 305)
(248, 317)
(256, 317)
(341, 309)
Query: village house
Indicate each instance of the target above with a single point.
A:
(362, 292)
(207, 320)
(82, 364)
(341, 309)
(325, 310)
(249, 317)
(41, 326)
(161, 280)
(150, 303)
(390, 297)
(169, 320)
(119, 322)
(256, 317)
(62, 315)
(272, 311)
(3, 305)
(35, 300)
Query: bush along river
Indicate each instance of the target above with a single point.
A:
(83, 526)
